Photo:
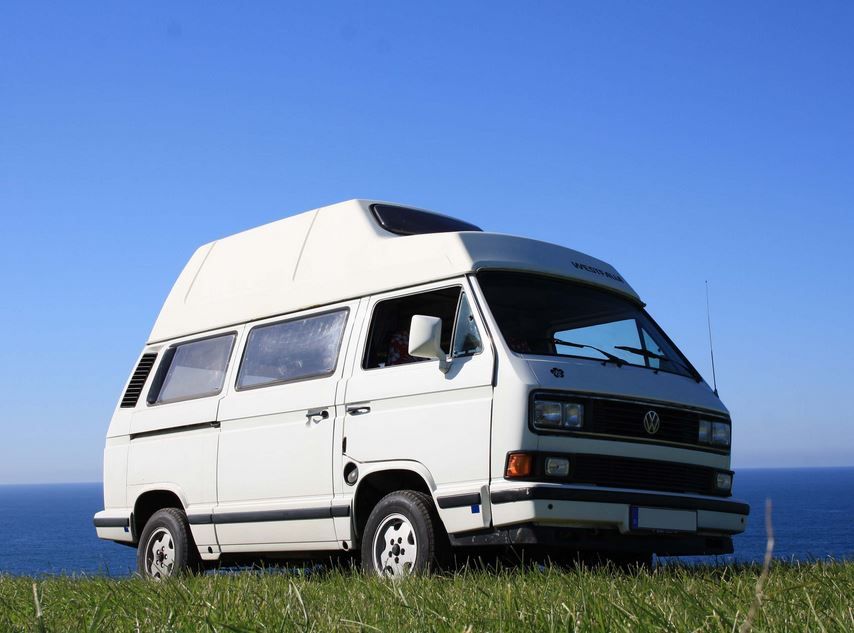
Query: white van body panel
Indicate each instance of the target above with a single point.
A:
(345, 497)
(182, 463)
(441, 420)
(274, 457)
(629, 381)
(514, 382)
(115, 472)
(115, 491)
(173, 446)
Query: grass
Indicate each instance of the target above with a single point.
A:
(813, 596)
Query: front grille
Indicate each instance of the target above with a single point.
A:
(624, 419)
(646, 474)
(618, 417)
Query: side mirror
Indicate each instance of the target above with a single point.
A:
(425, 336)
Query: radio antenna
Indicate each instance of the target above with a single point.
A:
(711, 347)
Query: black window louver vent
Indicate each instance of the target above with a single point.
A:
(137, 381)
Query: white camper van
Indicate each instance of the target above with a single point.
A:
(392, 383)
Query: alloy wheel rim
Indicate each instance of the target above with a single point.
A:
(395, 547)
(160, 554)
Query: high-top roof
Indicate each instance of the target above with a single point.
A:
(341, 252)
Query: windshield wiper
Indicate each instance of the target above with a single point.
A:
(614, 359)
(646, 353)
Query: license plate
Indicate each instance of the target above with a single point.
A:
(661, 520)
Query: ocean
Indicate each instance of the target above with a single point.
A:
(47, 529)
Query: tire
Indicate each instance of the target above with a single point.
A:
(403, 536)
(166, 546)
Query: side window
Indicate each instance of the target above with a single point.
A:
(292, 350)
(388, 342)
(192, 370)
(466, 335)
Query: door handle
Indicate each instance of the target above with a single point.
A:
(359, 410)
(311, 414)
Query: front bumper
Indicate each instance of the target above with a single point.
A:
(557, 538)
(589, 517)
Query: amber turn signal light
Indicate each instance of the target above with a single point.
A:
(519, 465)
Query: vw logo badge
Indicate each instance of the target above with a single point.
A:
(557, 372)
(651, 422)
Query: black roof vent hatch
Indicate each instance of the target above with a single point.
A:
(406, 221)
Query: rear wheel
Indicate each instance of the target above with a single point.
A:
(165, 546)
(403, 536)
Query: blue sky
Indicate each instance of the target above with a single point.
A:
(679, 141)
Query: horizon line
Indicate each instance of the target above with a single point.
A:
(736, 470)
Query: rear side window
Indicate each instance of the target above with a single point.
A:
(192, 370)
(389, 337)
(292, 350)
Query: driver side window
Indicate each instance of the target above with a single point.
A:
(388, 342)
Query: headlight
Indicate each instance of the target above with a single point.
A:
(717, 433)
(548, 414)
(573, 415)
(721, 433)
(557, 415)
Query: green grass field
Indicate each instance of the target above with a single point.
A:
(814, 597)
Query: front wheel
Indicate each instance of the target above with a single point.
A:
(403, 536)
(165, 546)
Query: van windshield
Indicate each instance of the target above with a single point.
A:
(553, 317)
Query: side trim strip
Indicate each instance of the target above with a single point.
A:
(107, 522)
(200, 519)
(340, 511)
(615, 496)
(459, 501)
(175, 429)
(297, 514)
(263, 516)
